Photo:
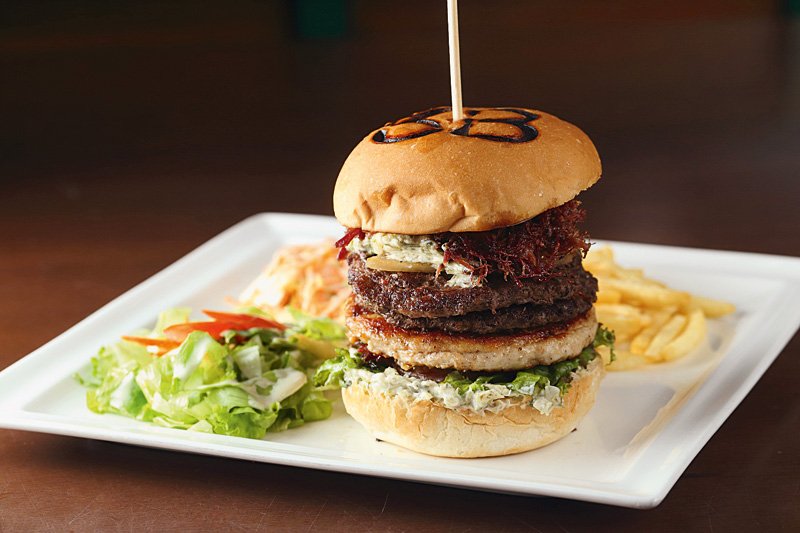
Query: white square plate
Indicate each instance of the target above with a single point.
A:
(643, 431)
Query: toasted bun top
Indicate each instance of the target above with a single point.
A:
(497, 167)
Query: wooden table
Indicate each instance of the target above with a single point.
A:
(128, 139)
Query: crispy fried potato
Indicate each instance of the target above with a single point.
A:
(692, 335)
(628, 361)
(660, 317)
(626, 320)
(646, 293)
(671, 329)
(609, 296)
(711, 308)
(599, 255)
(601, 260)
(652, 322)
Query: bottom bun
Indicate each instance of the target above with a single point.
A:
(429, 428)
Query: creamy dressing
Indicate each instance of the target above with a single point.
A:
(123, 392)
(183, 369)
(249, 361)
(412, 249)
(288, 382)
(491, 398)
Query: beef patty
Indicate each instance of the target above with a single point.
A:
(420, 295)
(514, 317)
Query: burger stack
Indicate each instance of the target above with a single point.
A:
(472, 328)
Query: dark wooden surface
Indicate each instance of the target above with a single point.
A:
(131, 135)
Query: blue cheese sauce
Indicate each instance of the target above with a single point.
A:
(491, 397)
(419, 249)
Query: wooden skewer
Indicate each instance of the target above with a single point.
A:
(455, 60)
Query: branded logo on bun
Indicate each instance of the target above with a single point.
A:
(498, 125)
(472, 328)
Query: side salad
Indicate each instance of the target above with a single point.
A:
(240, 373)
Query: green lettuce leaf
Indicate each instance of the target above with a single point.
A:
(248, 383)
(331, 373)
(317, 328)
(606, 337)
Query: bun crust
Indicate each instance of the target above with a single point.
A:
(426, 177)
(426, 427)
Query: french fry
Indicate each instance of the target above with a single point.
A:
(652, 322)
(692, 336)
(711, 308)
(599, 255)
(660, 317)
(621, 310)
(609, 296)
(630, 274)
(625, 320)
(628, 361)
(670, 330)
(600, 261)
(648, 294)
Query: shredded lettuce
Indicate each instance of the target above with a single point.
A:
(246, 384)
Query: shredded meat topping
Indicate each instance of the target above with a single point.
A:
(526, 250)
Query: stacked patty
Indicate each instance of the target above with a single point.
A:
(424, 302)
(529, 301)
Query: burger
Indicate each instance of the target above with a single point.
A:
(471, 325)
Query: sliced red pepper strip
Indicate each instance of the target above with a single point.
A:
(223, 321)
(179, 332)
(164, 345)
(245, 321)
